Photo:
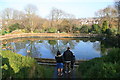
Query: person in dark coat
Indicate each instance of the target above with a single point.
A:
(68, 55)
(59, 60)
(68, 58)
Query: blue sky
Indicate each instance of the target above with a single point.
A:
(79, 8)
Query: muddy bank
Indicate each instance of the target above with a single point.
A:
(46, 35)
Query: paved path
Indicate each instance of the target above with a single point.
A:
(72, 75)
(52, 63)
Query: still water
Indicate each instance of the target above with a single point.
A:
(82, 49)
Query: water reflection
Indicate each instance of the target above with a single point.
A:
(82, 49)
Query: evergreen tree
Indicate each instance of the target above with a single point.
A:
(104, 26)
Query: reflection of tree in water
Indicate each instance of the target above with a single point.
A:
(31, 49)
(40, 41)
(60, 45)
(77, 41)
(10, 46)
(52, 42)
(69, 43)
(15, 46)
(96, 46)
(92, 40)
(19, 45)
(53, 46)
(100, 47)
(88, 39)
(103, 50)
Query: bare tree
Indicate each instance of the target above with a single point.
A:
(70, 18)
(36, 22)
(7, 15)
(18, 15)
(55, 16)
(30, 16)
(11, 16)
(109, 13)
(30, 9)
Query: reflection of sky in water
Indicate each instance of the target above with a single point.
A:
(85, 50)
(22, 51)
(81, 50)
(46, 53)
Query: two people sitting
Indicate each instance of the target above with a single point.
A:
(65, 60)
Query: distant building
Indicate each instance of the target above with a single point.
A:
(88, 21)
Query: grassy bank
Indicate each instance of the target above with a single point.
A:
(105, 67)
(18, 66)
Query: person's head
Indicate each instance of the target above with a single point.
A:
(58, 53)
(68, 48)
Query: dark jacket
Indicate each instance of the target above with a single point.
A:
(73, 59)
(68, 55)
(59, 59)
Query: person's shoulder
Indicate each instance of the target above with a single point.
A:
(71, 51)
(59, 56)
(65, 52)
(56, 56)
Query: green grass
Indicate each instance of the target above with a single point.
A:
(47, 72)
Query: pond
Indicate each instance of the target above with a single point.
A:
(83, 49)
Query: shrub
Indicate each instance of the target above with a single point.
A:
(3, 32)
(47, 72)
(18, 31)
(102, 70)
(113, 55)
(84, 67)
(52, 30)
(14, 27)
(95, 29)
(18, 66)
(108, 31)
(104, 26)
(104, 67)
(84, 29)
(42, 31)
